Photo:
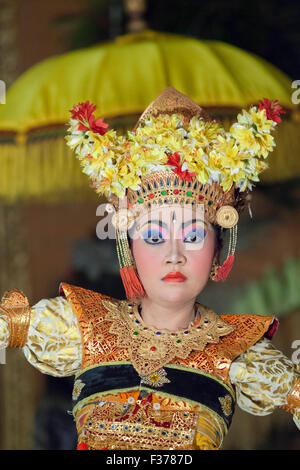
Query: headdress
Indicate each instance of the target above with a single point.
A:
(174, 155)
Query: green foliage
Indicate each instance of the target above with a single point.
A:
(277, 293)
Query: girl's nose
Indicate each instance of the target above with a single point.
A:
(175, 255)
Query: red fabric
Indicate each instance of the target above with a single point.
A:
(82, 446)
(272, 329)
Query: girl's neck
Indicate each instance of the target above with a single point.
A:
(167, 317)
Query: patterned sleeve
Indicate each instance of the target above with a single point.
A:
(53, 342)
(264, 379)
(4, 331)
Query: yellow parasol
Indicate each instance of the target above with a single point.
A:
(121, 78)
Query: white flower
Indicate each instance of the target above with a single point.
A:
(214, 175)
(75, 138)
(184, 167)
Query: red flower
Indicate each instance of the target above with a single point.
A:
(99, 126)
(174, 160)
(83, 112)
(272, 108)
(82, 446)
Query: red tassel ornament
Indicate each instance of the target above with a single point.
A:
(222, 272)
(131, 282)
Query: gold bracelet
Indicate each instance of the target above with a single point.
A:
(293, 398)
(17, 309)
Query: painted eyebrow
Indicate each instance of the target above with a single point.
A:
(192, 221)
(158, 222)
(183, 225)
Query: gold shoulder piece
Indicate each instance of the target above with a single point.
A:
(91, 309)
(14, 304)
(248, 330)
(86, 303)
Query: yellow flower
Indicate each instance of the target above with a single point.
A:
(204, 132)
(215, 161)
(94, 166)
(104, 184)
(266, 144)
(253, 131)
(256, 166)
(232, 157)
(115, 163)
(244, 119)
(259, 118)
(229, 179)
(245, 138)
(171, 142)
(131, 180)
(200, 168)
(104, 141)
(166, 122)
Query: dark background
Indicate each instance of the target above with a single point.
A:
(268, 28)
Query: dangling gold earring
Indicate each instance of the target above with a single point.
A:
(220, 273)
(214, 268)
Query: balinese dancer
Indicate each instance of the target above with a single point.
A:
(159, 370)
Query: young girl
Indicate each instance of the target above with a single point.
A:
(159, 370)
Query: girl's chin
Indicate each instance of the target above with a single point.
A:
(172, 295)
(174, 291)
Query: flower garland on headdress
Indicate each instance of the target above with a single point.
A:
(192, 147)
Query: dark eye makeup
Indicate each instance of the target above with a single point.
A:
(192, 233)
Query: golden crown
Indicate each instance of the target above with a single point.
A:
(166, 187)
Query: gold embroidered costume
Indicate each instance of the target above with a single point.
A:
(116, 407)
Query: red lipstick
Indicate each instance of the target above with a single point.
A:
(174, 277)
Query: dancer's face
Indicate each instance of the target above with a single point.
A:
(173, 248)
